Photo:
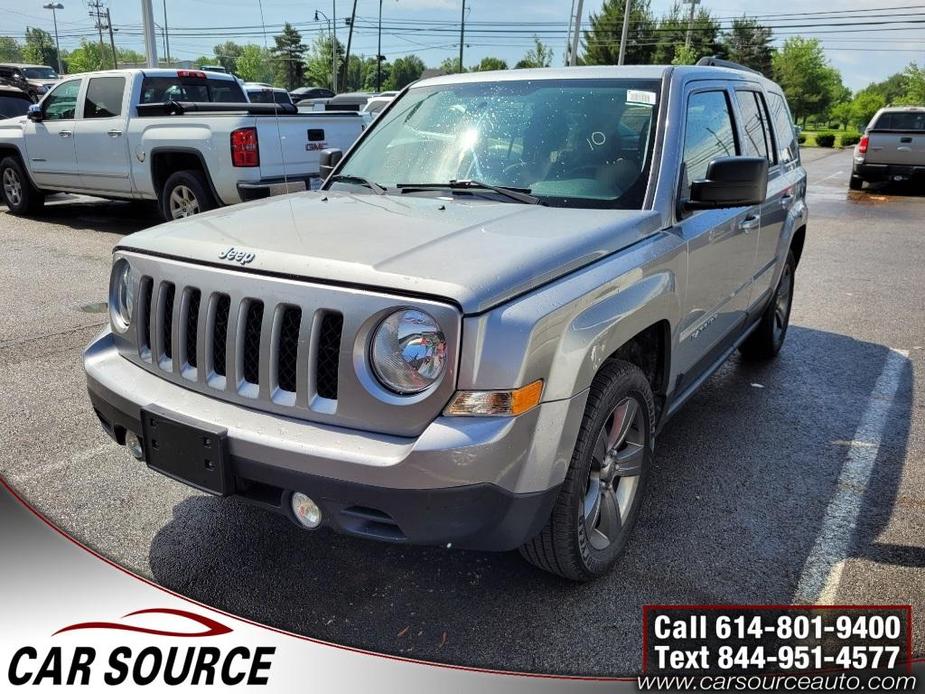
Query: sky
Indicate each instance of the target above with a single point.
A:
(430, 27)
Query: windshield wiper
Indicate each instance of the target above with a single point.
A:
(348, 178)
(518, 194)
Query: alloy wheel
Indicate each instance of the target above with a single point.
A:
(613, 481)
(183, 202)
(12, 187)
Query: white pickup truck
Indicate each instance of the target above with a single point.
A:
(186, 138)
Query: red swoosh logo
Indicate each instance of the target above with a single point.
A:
(213, 628)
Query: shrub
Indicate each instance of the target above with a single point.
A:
(849, 140)
(802, 138)
(825, 139)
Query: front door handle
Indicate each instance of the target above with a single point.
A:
(752, 221)
(114, 133)
(786, 199)
(65, 133)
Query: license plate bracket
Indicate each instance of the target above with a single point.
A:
(186, 450)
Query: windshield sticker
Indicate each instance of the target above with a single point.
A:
(637, 96)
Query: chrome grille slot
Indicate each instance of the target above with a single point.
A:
(249, 340)
(327, 361)
(220, 333)
(163, 325)
(189, 337)
(145, 295)
(287, 348)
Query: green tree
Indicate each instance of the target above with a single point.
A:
(864, 105)
(841, 114)
(40, 48)
(601, 43)
(748, 42)
(130, 58)
(204, 60)
(227, 54)
(87, 58)
(255, 64)
(913, 86)
(319, 62)
(289, 56)
(405, 71)
(671, 33)
(450, 66)
(540, 55)
(801, 69)
(490, 63)
(369, 84)
(10, 50)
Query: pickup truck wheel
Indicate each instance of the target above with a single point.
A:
(185, 193)
(605, 483)
(20, 195)
(767, 339)
(855, 182)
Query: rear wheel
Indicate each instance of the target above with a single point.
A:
(20, 195)
(605, 483)
(767, 339)
(185, 193)
(856, 182)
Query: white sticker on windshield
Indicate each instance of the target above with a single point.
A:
(637, 96)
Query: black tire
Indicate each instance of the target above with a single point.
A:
(16, 189)
(566, 546)
(767, 339)
(856, 182)
(193, 187)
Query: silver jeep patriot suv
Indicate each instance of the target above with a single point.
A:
(472, 334)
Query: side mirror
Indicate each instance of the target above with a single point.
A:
(35, 113)
(329, 159)
(730, 182)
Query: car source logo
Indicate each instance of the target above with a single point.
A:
(236, 255)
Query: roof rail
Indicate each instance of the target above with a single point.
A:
(713, 61)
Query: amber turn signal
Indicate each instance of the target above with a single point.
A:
(495, 403)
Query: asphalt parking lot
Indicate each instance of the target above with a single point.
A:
(749, 501)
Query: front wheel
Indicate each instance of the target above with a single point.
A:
(185, 193)
(20, 195)
(606, 480)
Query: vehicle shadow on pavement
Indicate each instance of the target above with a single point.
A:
(95, 214)
(743, 477)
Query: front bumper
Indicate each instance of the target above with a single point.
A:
(479, 483)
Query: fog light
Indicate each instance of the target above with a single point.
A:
(306, 511)
(133, 443)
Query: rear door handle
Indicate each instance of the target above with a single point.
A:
(65, 133)
(114, 133)
(752, 221)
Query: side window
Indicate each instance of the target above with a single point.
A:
(61, 102)
(755, 123)
(104, 97)
(709, 133)
(783, 128)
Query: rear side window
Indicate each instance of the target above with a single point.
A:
(157, 90)
(758, 141)
(909, 121)
(104, 97)
(709, 133)
(783, 127)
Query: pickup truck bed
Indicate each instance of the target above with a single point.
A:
(892, 148)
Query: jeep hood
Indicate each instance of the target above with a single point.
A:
(473, 251)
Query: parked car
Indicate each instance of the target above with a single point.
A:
(259, 93)
(303, 93)
(14, 102)
(892, 147)
(35, 80)
(472, 335)
(214, 68)
(352, 101)
(375, 105)
(186, 138)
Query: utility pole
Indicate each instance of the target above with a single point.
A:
(462, 34)
(166, 36)
(626, 31)
(379, 53)
(690, 22)
(147, 17)
(334, 45)
(573, 52)
(353, 16)
(54, 7)
(112, 41)
(96, 11)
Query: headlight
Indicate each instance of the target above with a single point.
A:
(408, 352)
(121, 295)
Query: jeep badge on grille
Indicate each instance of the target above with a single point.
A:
(236, 255)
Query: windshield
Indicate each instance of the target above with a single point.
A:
(581, 143)
(40, 73)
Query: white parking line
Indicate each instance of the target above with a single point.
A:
(823, 568)
(837, 173)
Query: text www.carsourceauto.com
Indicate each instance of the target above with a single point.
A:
(796, 683)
